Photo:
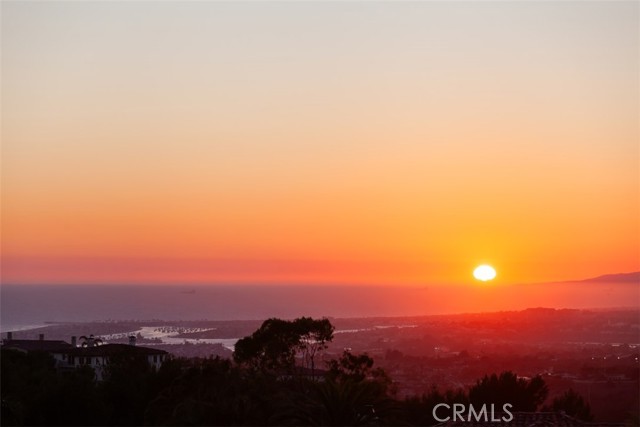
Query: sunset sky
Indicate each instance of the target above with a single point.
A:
(319, 142)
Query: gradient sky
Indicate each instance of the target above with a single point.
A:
(324, 142)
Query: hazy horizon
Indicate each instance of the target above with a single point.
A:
(605, 278)
(34, 305)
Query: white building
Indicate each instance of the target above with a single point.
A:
(94, 355)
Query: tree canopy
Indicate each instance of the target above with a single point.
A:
(572, 404)
(523, 394)
(274, 346)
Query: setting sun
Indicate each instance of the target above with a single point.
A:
(484, 273)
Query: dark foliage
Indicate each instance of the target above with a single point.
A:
(352, 393)
(128, 389)
(34, 393)
(419, 410)
(216, 391)
(572, 404)
(525, 395)
(273, 347)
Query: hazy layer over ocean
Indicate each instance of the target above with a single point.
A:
(25, 306)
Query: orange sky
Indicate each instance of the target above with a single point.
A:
(372, 142)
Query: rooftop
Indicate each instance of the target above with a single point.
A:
(114, 349)
(52, 346)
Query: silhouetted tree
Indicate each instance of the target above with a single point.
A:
(572, 404)
(523, 394)
(331, 403)
(126, 388)
(357, 368)
(418, 410)
(212, 392)
(347, 403)
(34, 393)
(273, 347)
(314, 336)
(90, 341)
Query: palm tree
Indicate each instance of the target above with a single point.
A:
(90, 341)
(330, 403)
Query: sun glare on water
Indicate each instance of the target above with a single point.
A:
(484, 273)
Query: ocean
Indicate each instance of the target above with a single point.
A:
(27, 306)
